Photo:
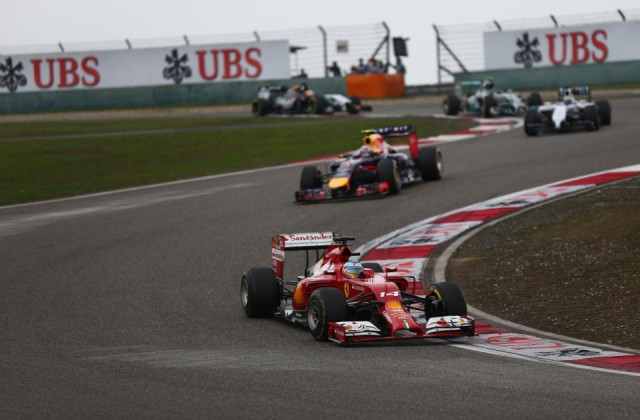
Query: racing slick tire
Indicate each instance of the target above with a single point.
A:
(591, 116)
(377, 268)
(430, 164)
(535, 99)
(260, 293)
(261, 107)
(488, 105)
(351, 108)
(354, 106)
(310, 178)
(326, 304)
(452, 105)
(604, 109)
(532, 121)
(319, 105)
(387, 170)
(453, 302)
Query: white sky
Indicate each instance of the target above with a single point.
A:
(50, 21)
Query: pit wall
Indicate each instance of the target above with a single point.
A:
(225, 93)
(615, 73)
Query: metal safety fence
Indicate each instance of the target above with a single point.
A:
(460, 47)
(312, 50)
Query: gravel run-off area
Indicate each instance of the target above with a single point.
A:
(571, 267)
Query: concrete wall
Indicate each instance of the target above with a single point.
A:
(148, 97)
(618, 73)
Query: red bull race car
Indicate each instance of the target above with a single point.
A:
(348, 302)
(376, 169)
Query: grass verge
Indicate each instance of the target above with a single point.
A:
(37, 162)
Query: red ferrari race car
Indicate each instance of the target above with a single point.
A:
(376, 169)
(348, 302)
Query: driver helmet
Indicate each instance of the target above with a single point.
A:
(374, 142)
(352, 269)
(488, 84)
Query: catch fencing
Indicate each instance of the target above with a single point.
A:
(311, 49)
(460, 48)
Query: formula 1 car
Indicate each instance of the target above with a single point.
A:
(481, 99)
(376, 169)
(574, 110)
(349, 302)
(300, 99)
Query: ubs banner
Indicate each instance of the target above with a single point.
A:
(564, 46)
(145, 67)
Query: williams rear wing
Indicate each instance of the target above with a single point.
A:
(577, 91)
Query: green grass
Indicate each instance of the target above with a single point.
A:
(15, 131)
(39, 169)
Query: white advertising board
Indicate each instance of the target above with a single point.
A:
(563, 46)
(145, 67)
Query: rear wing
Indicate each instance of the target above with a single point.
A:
(312, 241)
(399, 131)
(297, 242)
(394, 131)
(577, 91)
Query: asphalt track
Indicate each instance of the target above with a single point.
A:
(126, 305)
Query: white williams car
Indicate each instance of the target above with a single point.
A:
(574, 111)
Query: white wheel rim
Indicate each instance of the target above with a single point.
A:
(244, 294)
(312, 319)
(439, 163)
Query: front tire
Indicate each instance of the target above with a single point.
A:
(310, 178)
(326, 305)
(430, 164)
(532, 123)
(604, 109)
(452, 300)
(260, 293)
(451, 106)
(592, 116)
(261, 107)
(387, 171)
(488, 107)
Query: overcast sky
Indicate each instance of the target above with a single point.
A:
(50, 21)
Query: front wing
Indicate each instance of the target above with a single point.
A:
(362, 332)
(377, 189)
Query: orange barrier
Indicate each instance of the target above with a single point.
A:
(375, 86)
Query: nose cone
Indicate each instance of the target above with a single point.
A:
(337, 183)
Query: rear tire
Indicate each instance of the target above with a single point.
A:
(604, 109)
(387, 170)
(310, 178)
(451, 106)
(326, 305)
(260, 293)
(453, 302)
(430, 164)
(535, 99)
